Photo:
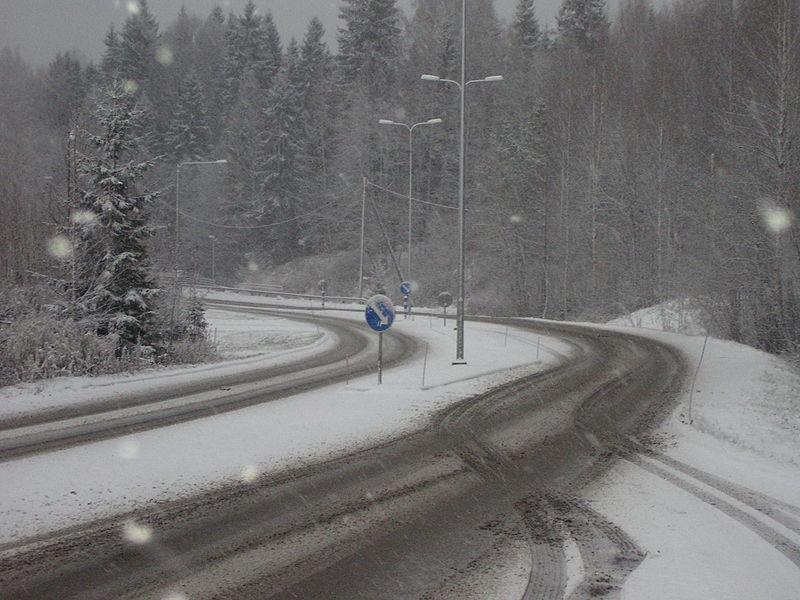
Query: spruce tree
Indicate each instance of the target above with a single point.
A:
(111, 63)
(138, 44)
(189, 136)
(114, 284)
(526, 34)
(369, 44)
(281, 147)
(66, 88)
(583, 23)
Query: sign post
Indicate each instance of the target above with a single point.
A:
(379, 315)
(445, 300)
(405, 289)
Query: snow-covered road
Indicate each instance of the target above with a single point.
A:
(689, 511)
(60, 489)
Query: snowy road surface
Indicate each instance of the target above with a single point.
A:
(530, 473)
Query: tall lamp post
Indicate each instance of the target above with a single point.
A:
(410, 129)
(177, 204)
(462, 87)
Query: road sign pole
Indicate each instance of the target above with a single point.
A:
(380, 357)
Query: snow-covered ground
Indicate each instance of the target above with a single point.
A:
(247, 341)
(679, 316)
(687, 506)
(59, 489)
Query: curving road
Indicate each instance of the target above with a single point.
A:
(433, 514)
(353, 355)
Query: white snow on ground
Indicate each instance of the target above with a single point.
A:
(255, 340)
(58, 489)
(745, 429)
(680, 316)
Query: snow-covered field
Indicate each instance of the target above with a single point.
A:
(708, 541)
(58, 489)
(247, 341)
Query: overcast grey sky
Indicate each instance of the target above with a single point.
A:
(40, 28)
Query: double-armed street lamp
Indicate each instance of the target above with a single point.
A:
(461, 267)
(177, 203)
(410, 129)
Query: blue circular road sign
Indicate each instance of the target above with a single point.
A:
(405, 288)
(379, 312)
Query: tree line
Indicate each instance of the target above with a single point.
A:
(619, 164)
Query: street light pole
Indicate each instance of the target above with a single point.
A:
(462, 85)
(410, 129)
(177, 224)
(177, 205)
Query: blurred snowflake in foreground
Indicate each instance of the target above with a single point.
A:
(128, 449)
(83, 217)
(249, 473)
(776, 218)
(129, 86)
(136, 533)
(133, 7)
(165, 56)
(60, 247)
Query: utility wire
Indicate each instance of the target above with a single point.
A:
(264, 226)
(387, 190)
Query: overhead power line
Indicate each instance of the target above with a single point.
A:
(262, 226)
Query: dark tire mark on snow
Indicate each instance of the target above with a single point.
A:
(784, 513)
(547, 579)
(775, 539)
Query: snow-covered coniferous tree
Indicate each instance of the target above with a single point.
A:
(188, 137)
(114, 285)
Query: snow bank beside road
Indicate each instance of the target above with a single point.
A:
(58, 489)
(711, 506)
(680, 316)
(255, 340)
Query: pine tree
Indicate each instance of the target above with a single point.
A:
(252, 45)
(138, 44)
(369, 44)
(111, 63)
(583, 23)
(273, 53)
(66, 88)
(281, 147)
(526, 34)
(209, 67)
(114, 284)
(188, 137)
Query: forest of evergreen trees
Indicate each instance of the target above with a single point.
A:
(621, 162)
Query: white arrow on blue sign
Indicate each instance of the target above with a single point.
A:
(379, 313)
(405, 288)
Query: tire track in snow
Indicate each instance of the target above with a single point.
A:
(777, 540)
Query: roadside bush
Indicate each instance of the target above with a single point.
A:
(39, 339)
